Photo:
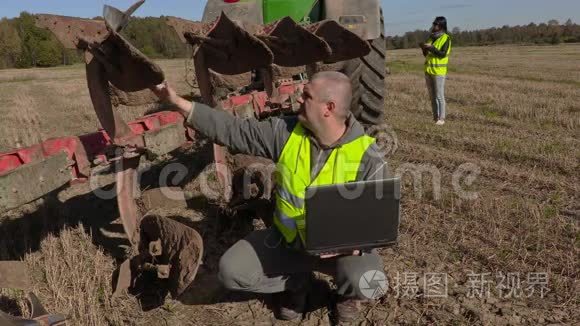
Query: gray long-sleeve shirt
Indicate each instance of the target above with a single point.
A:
(267, 139)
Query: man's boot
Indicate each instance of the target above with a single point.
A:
(292, 304)
(347, 309)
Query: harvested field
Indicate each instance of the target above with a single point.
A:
(490, 204)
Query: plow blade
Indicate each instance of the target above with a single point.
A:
(175, 245)
(112, 62)
(116, 19)
(98, 85)
(127, 68)
(234, 49)
(170, 250)
(344, 44)
(229, 49)
(292, 44)
(126, 185)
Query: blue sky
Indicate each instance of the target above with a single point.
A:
(400, 15)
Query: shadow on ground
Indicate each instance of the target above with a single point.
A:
(22, 230)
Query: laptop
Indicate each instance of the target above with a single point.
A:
(355, 215)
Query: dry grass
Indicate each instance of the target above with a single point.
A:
(520, 127)
(74, 278)
(530, 84)
(513, 112)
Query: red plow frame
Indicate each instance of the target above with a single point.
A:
(24, 172)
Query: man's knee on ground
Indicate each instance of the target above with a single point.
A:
(350, 271)
(235, 272)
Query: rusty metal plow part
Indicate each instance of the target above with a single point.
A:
(229, 49)
(171, 250)
(344, 44)
(14, 274)
(110, 59)
(114, 66)
(116, 19)
(292, 44)
(128, 192)
(126, 188)
(98, 86)
(117, 62)
(225, 48)
(236, 49)
(39, 316)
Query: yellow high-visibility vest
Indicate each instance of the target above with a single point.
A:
(293, 176)
(433, 64)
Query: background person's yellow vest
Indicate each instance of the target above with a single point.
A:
(293, 177)
(434, 65)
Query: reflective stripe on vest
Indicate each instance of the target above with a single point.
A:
(293, 176)
(433, 64)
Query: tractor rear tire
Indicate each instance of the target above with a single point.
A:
(367, 76)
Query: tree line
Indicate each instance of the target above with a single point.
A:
(23, 45)
(552, 32)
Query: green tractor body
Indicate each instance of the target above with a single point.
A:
(298, 10)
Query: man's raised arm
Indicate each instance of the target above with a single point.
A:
(246, 136)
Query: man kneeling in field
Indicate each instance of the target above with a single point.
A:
(274, 260)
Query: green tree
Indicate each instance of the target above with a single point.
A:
(39, 46)
(48, 54)
(10, 47)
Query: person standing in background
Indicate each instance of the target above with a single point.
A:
(436, 52)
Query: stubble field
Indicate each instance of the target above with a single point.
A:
(490, 205)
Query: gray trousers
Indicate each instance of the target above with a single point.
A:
(264, 263)
(436, 87)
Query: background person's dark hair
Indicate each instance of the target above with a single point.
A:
(441, 21)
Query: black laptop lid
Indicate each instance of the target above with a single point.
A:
(355, 215)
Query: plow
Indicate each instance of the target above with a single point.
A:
(261, 58)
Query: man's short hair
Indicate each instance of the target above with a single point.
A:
(336, 89)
